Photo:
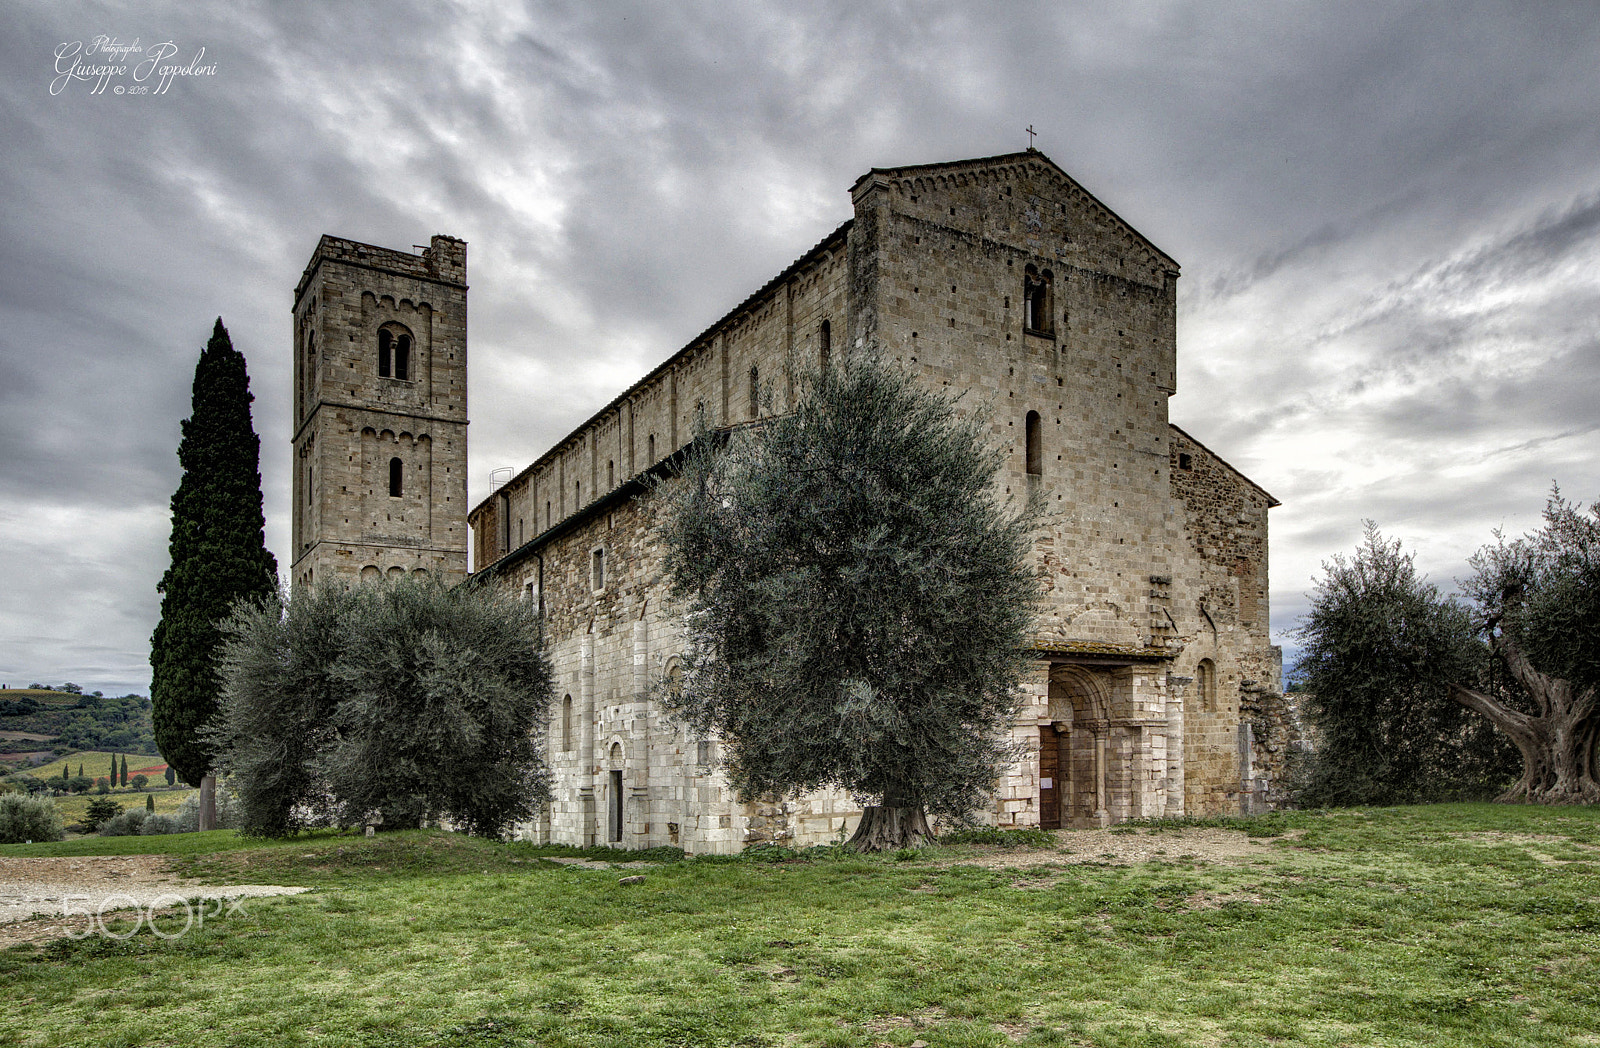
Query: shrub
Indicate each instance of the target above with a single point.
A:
(140, 781)
(159, 824)
(128, 824)
(28, 819)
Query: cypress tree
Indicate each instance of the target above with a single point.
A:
(172, 776)
(150, 803)
(219, 555)
(124, 770)
(113, 779)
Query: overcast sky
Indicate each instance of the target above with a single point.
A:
(1388, 218)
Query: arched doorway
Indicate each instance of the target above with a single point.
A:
(1072, 750)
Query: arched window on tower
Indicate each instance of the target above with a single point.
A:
(1205, 678)
(311, 363)
(1033, 445)
(824, 344)
(394, 351)
(396, 469)
(566, 723)
(1036, 301)
(651, 454)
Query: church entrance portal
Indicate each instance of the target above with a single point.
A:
(1072, 750)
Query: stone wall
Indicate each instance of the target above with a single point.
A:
(1005, 281)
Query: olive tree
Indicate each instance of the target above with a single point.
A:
(1538, 600)
(858, 596)
(1381, 650)
(406, 699)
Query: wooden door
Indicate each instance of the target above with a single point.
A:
(1050, 791)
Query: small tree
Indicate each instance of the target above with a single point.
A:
(1381, 650)
(406, 699)
(218, 557)
(171, 776)
(859, 599)
(150, 803)
(140, 781)
(100, 810)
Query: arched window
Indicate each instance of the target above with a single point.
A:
(755, 390)
(311, 362)
(566, 723)
(1035, 456)
(614, 809)
(1205, 677)
(547, 518)
(611, 473)
(395, 476)
(1036, 301)
(824, 344)
(394, 351)
(651, 456)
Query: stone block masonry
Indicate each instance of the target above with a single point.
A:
(1000, 278)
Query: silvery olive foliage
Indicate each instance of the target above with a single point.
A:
(403, 698)
(858, 595)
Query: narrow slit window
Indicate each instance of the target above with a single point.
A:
(755, 391)
(1036, 301)
(1034, 450)
(566, 723)
(824, 344)
(396, 477)
(597, 570)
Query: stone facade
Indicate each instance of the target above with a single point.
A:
(380, 413)
(1006, 280)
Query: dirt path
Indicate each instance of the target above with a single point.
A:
(1125, 847)
(43, 899)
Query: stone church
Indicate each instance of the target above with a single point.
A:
(1154, 689)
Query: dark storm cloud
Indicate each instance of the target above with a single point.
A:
(1386, 217)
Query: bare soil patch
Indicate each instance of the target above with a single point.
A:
(46, 898)
(1127, 846)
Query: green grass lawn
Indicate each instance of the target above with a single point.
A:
(1449, 925)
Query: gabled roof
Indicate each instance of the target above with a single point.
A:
(1033, 158)
(1271, 502)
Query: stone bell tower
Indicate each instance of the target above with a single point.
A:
(380, 413)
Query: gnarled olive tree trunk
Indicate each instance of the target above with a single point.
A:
(1557, 742)
(899, 822)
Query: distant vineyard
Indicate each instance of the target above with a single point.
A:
(35, 722)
